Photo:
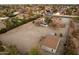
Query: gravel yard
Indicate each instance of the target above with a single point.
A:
(25, 37)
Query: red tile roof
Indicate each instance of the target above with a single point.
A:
(50, 41)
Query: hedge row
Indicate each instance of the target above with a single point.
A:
(14, 23)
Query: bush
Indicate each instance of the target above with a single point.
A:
(1, 46)
(10, 14)
(17, 22)
(70, 52)
(69, 48)
(3, 30)
(1, 49)
(14, 22)
(76, 19)
(1, 43)
(13, 50)
(34, 51)
(48, 20)
(61, 35)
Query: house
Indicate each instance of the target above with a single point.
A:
(50, 43)
(58, 22)
(2, 21)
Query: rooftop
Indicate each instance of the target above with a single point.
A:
(50, 41)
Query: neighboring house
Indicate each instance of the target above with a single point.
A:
(58, 22)
(22, 16)
(37, 12)
(2, 25)
(2, 20)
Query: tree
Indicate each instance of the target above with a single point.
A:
(48, 20)
(3, 30)
(61, 35)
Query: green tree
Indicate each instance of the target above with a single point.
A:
(48, 20)
(3, 30)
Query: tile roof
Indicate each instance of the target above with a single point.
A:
(50, 41)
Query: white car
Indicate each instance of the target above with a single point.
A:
(44, 25)
(2, 18)
(15, 13)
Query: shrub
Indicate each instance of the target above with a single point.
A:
(1, 43)
(1, 46)
(13, 50)
(34, 51)
(1, 49)
(76, 19)
(47, 20)
(69, 48)
(14, 22)
(61, 35)
(3, 30)
(17, 22)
